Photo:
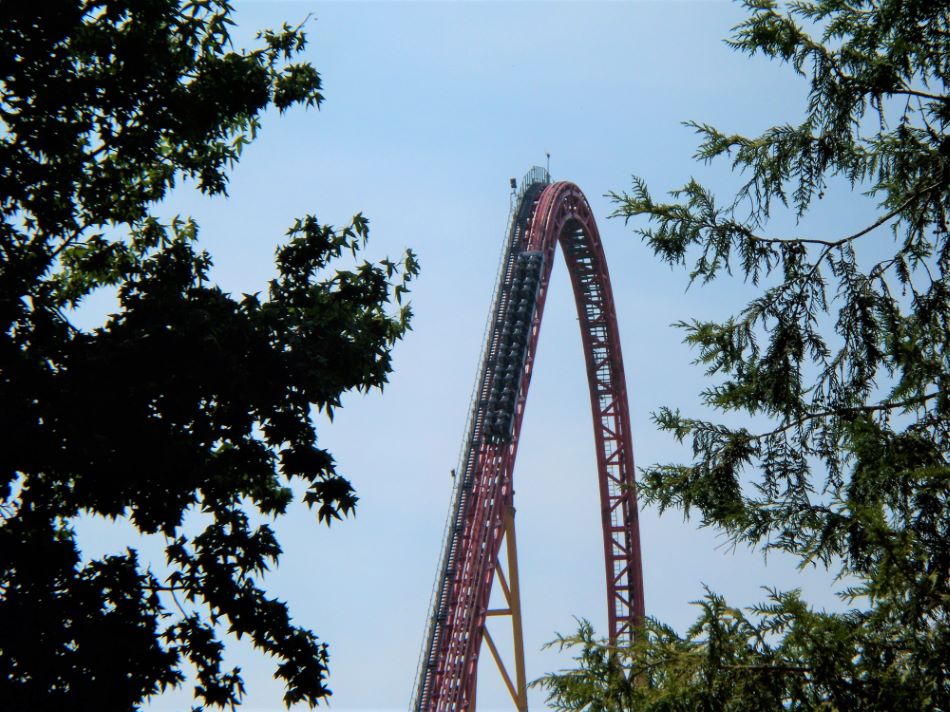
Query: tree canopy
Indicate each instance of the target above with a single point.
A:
(842, 353)
(188, 411)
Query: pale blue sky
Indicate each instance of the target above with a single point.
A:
(430, 108)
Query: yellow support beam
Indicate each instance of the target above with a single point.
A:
(514, 604)
(518, 689)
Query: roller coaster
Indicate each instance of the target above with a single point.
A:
(481, 515)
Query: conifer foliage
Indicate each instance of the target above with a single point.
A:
(843, 354)
(188, 411)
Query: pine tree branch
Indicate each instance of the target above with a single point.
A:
(922, 94)
(851, 410)
(770, 668)
(831, 244)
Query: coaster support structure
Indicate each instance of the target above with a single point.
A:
(482, 509)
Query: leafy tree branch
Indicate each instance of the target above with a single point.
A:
(188, 404)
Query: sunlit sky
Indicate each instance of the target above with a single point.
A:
(430, 109)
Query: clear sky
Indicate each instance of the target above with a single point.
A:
(430, 108)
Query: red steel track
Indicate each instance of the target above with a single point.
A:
(547, 213)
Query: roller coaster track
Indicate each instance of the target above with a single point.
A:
(481, 511)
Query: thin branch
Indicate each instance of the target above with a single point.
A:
(885, 406)
(770, 668)
(167, 589)
(922, 94)
(831, 244)
(178, 604)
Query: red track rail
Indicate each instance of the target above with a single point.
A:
(547, 214)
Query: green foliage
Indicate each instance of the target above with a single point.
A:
(843, 352)
(782, 655)
(188, 405)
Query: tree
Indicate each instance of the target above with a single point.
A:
(188, 411)
(843, 354)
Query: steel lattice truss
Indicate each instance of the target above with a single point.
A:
(546, 214)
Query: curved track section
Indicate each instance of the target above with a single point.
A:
(546, 214)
